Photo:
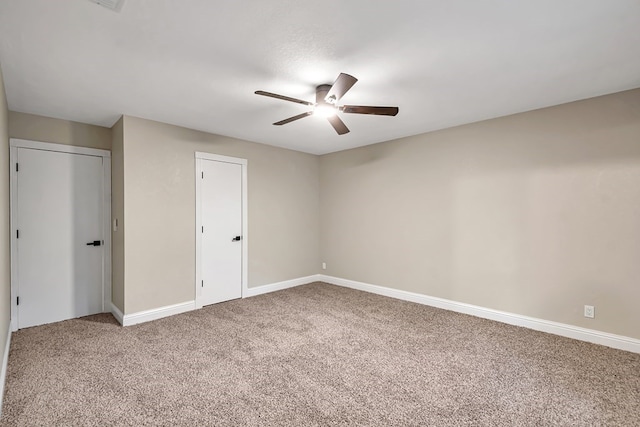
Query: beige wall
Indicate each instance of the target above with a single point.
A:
(117, 213)
(159, 211)
(5, 231)
(536, 213)
(47, 129)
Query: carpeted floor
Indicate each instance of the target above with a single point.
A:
(315, 355)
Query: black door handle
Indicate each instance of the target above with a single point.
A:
(236, 239)
(95, 243)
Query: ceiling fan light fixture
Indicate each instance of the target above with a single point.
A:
(324, 110)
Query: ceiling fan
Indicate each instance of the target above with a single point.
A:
(325, 106)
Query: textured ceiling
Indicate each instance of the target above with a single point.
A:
(196, 63)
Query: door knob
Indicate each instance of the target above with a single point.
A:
(236, 239)
(95, 243)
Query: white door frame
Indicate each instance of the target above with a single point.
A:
(200, 156)
(14, 144)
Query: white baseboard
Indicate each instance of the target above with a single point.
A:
(170, 310)
(117, 313)
(157, 313)
(5, 362)
(562, 329)
(278, 286)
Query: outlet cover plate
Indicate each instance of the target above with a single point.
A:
(589, 311)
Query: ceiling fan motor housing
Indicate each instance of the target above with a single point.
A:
(321, 94)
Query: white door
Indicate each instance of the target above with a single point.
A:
(221, 228)
(59, 245)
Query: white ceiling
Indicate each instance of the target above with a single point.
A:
(196, 63)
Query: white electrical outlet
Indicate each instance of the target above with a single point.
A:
(589, 311)
(324, 265)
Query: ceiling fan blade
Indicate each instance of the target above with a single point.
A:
(361, 109)
(338, 125)
(294, 118)
(343, 83)
(284, 98)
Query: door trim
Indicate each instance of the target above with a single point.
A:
(14, 144)
(199, 157)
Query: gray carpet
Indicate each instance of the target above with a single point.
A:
(315, 355)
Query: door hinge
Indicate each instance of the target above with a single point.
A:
(17, 167)
(18, 301)
(17, 234)
(202, 284)
(202, 174)
(203, 229)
